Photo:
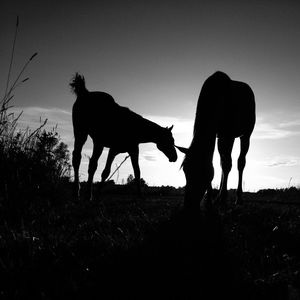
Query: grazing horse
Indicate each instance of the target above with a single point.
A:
(225, 111)
(110, 125)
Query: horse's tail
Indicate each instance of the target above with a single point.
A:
(77, 85)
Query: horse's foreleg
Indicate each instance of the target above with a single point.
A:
(199, 173)
(197, 184)
(208, 199)
(93, 167)
(194, 196)
(76, 158)
(225, 147)
(110, 158)
(134, 155)
(245, 143)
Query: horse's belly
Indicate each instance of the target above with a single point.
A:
(116, 140)
(235, 127)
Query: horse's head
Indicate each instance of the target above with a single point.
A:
(166, 144)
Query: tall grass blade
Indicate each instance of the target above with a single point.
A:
(21, 72)
(12, 57)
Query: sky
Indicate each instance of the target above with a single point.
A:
(153, 57)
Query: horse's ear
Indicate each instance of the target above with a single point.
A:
(170, 128)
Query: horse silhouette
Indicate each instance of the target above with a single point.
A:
(110, 125)
(225, 111)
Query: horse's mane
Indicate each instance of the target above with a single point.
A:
(77, 84)
(129, 116)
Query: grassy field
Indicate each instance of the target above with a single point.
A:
(118, 247)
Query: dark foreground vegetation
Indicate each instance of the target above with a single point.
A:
(116, 247)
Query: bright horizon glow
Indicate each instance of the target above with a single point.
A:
(264, 169)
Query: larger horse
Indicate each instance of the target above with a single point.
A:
(110, 125)
(225, 111)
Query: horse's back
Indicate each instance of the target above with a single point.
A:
(237, 115)
(124, 129)
(92, 110)
(225, 106)
(99, 116)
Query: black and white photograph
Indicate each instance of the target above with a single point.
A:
(150, 149)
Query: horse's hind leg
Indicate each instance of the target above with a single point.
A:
(208, 199)
(224, 147)
(134, 155)
(80, 139)
(97, 150)
(110, 158)
(245, 142)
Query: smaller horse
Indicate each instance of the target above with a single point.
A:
(225, 111)
(110, 125)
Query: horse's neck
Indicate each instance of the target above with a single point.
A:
(149, 132)
(203, 145)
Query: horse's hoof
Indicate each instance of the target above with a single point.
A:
(89, 197)
(206, 204)
(238, 199)
(221, 200)
(76, 194)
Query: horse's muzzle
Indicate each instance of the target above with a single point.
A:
(173, 159)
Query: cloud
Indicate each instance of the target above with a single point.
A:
(32, 117)
(53, 114)
(269, 127)
(288, 124)
(270, 131)
(283, 161)
(150, 157)
(149, 153)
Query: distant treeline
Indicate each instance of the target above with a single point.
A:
(111, 187)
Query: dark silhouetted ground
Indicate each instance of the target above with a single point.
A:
(123, 249)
